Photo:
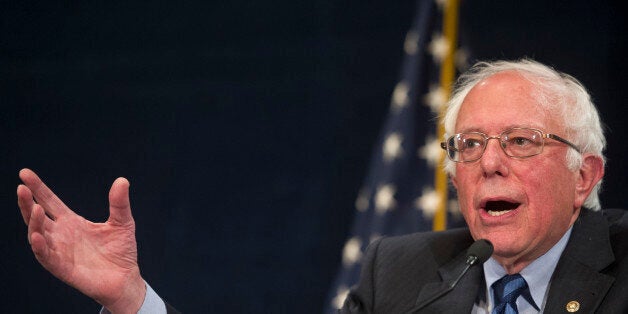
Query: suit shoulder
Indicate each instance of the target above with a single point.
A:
(428, 237)
(443, 245)
(618, 232)
(617, 220)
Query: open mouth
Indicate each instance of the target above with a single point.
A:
(498, 208)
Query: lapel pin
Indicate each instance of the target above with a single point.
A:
(572, 306)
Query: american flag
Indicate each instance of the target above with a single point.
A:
(399, 194)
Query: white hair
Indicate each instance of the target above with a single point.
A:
(556, 92)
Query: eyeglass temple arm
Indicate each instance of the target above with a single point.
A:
(564, 141)
(443, 145)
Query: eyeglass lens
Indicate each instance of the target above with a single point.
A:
(515, 143)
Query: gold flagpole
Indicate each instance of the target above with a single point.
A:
(447, 76)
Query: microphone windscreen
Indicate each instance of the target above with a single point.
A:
(482, 249)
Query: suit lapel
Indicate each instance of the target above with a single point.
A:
(577, 276)
(462, 297)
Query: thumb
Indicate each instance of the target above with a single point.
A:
(119, 204)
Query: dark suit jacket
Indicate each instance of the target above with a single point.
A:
(400, 272)
(170, 309)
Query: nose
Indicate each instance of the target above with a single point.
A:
(494, 159)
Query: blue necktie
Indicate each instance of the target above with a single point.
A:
(506, 291)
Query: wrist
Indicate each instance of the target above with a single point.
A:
(131, 299)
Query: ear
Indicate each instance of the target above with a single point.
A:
(589, 174)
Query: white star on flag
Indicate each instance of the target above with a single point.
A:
(436, 98)
(428, 202)
(431, 151)
(439, 47)
(385, 198)
(351, 252)
(400, 95)
(392, 146)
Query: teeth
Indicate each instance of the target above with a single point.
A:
(496, 213)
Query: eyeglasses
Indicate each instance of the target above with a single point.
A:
(515, 142)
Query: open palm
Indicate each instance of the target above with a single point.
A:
(98, 259)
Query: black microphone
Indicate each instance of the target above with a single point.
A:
(477, 253)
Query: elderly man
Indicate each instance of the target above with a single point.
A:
(526, 157)
(524, 152)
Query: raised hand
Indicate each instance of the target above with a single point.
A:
(98, 259)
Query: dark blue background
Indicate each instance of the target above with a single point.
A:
(244, 127)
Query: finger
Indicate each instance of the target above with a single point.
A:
(25, 202)
(119, 203)
(36, 234)
(44, 196)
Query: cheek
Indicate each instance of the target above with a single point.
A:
(467, 181)
(553, 187)
(465, 175)
(550, 197)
